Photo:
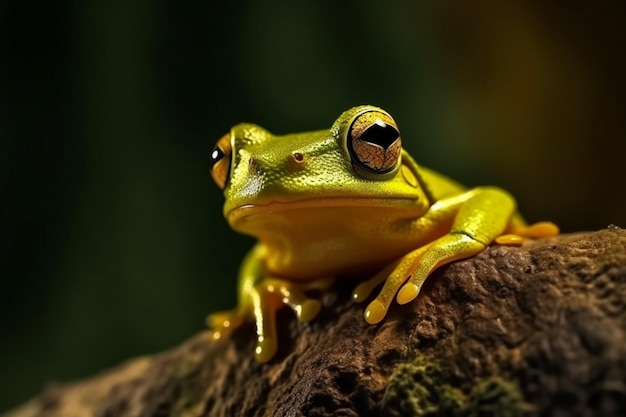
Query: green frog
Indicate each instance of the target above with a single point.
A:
(340, 203)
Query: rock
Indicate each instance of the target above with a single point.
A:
(514, 331)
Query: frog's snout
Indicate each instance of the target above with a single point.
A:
(289, 163)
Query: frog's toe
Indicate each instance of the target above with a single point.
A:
(541, 229)
(407, 293)
(308, 310)
(365, 288)
(292, 294)
(509, 240)
(375, 312)
(394, 276)
(444, 250)
(377, 309)
(533, 231)
(266, 348)
(223, 321)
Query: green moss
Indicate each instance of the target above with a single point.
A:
(495, 396)
(421, 388)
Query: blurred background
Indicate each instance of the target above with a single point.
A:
(112, 241)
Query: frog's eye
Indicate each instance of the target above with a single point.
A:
(374, 142)
(220, 161)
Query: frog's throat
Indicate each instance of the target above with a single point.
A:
(401, 206)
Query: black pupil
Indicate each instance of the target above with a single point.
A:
(216, 156)
(381, 134)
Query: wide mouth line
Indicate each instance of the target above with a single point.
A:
(319, 202)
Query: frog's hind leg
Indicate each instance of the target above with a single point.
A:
(264, 308)
(262, 300)
(268, 296)
(261, 296)
(518, 230)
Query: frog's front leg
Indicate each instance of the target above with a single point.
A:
(480, 215)
(261, 295)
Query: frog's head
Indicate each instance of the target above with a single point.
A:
(358, 162)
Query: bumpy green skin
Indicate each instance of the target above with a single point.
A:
(421, 388)
(320, 211)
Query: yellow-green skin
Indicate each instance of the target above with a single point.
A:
(318, 216)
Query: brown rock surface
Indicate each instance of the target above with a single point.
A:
(532, 330)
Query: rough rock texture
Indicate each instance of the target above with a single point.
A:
(515, 331)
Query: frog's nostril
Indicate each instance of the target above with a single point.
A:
(254, 166)
(298, 156)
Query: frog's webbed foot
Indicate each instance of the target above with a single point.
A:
(293, 295)
(519, 232)
(263, 300)
(405, 277)
(271, 294)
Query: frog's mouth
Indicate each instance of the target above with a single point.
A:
(316, 210)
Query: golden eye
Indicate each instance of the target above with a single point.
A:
(220, 161)
(374, 142)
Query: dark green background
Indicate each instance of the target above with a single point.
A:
(112, 240)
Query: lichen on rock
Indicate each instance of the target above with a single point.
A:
(422, 388)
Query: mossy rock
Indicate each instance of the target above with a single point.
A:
(514, 331)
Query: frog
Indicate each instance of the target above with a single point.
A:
(347, 202)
